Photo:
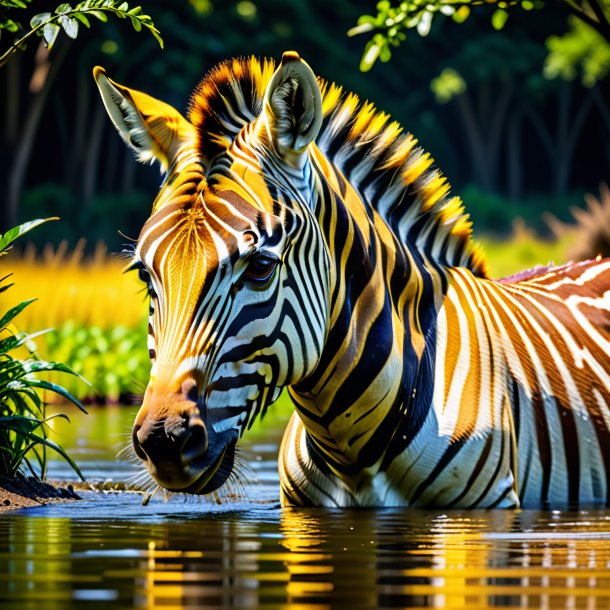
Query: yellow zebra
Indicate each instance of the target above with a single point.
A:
(302, 240)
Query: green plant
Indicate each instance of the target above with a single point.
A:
(114, 360)
(23, 422)
(394, 19)
(69, 18)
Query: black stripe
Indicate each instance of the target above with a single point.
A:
(452, 450)
(545, 452)
(476, 471)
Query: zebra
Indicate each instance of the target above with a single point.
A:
(302, 240)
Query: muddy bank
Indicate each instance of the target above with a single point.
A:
(24, 492)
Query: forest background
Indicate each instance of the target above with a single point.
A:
(515, 110)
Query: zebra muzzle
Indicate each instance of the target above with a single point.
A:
(184, 441)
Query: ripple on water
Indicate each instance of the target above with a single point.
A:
(110, 552)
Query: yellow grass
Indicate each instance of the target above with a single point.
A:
(523, 250)
(69, 287)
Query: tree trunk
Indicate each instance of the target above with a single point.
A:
(26, 139)
(93, 155)
(480, 170)
(515, 159)
(569, 126)
(484, 126)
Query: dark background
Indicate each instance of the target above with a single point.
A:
(515, 144)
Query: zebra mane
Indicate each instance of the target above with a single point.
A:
(385, 166)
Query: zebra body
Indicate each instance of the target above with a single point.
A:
(518, 410)
(301, 241)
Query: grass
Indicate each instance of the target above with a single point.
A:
(99, 317)
(89, 291)
(523, 250)
(23, 421)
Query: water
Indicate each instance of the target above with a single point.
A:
(110, 552)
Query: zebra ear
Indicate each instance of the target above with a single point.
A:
(293, 108)
(151, 128)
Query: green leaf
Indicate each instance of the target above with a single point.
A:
(21, 424)
(99, 14)
(41, 440)
(12, 234)
(123, 7)
(61, 451)
(39, 19)
(498, 19)
(10, 343)
(57, 389)
(36, 366)
(17, 393)
(424, 24)
(83, 19)
(9, 25)
(70, 26)
(371, 53)
(461, 14)
(156, 35)
(13, 313)
(13, 3)
(361, 28)
(137, 25)
(63, 9)
(386, 53)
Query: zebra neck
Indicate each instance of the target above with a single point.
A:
(368, 369)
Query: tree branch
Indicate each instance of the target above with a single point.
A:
(602, 26)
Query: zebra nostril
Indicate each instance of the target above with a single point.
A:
(196, 442)
(135, 441)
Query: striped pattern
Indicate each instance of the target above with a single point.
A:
(417, 380)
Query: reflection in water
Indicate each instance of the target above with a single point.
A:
(109, 552)
(264, 557)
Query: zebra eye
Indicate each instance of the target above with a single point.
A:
(261, 268)
(144, 276)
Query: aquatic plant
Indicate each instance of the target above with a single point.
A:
(23, 421)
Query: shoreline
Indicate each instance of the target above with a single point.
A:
(27, 492)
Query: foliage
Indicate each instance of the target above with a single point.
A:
(581, 49)
(391, 22)
(68, 18)
(447, 85)
(98, 190)
(23, 423)
(114, 360)
(99, 315)
(494, 214)
(100, 219)
(390, 25)
(72, 287)
(522, 249)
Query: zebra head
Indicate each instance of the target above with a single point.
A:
(236, 271)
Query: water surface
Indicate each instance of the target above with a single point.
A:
(108, 551)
